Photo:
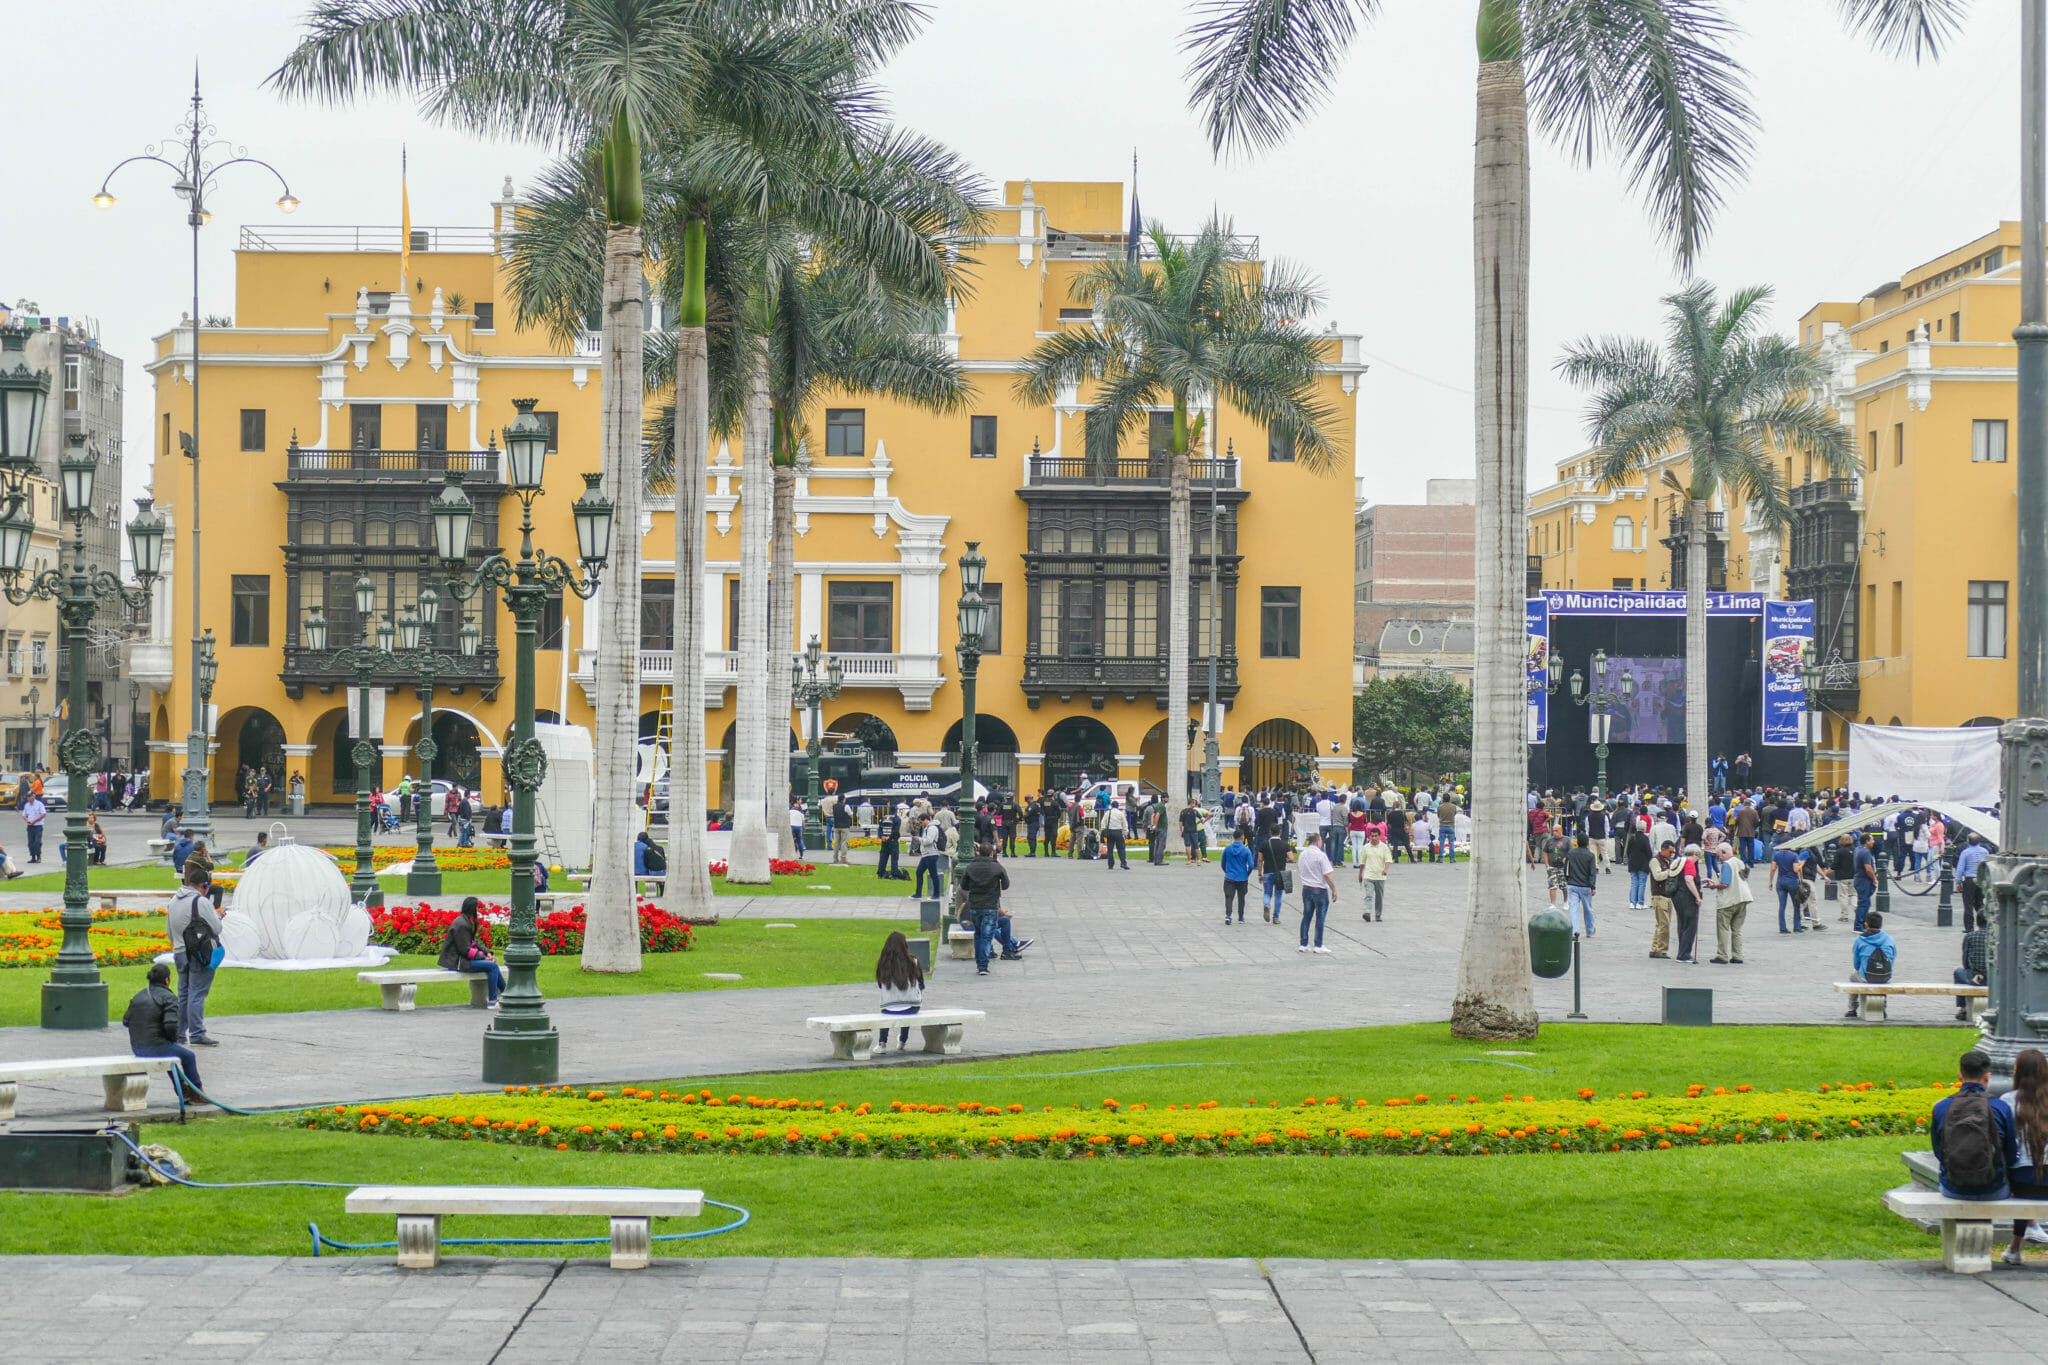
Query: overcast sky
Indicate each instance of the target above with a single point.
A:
(1866, 167)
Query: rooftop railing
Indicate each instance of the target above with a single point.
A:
(346, 237)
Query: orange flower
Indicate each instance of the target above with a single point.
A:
(1262, 1140)
(1097, 1140)
(1134, 1141)
(1664, 1146)
(561, 1146)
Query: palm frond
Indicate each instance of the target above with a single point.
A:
(1652, 81)
(1905, 28)
(557, 268)
(1258, 67)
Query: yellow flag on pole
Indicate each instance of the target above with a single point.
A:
(404, 223)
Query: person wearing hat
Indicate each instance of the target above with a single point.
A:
(1686, 898)
(152, 1022)
(1596, 831)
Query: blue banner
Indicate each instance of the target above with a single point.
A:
(1629, 602)
(1537, 617)
(1788, 635)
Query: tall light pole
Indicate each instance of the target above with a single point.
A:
(33, 699)
(1601, 701)
(368, 658)
(196, 157)
(416, 645)
(521, 1046)
(1810, 676)
(1212, 716)
(973, 626)
(74, 997)
(2016, 1013)
(811, 688)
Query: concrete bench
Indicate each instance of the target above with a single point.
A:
(126, 1078)
(401, 987)
(1874, 993)
(111, 900)
(420, 1209)
(503, 841)
(960, 938)
(161, 848)
(1967, 1225)
(853, 1035)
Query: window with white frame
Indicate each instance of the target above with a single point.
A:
(1987, 440)
(1624, 533)
(1987, 618)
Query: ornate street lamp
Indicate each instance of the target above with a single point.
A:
(1810, 676)
(973, 626)
(74, 997)
(521, 1046)
(812, 688)
(195, 156)
(1601, 700)
(416, 642)
(33, 700)
(367, 659)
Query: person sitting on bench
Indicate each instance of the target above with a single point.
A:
(1971, 973)
(464, 950)
(1974, 1138)
(1876, 955)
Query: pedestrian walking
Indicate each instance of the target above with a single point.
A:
(931, 842)
(1866, 877)
(1273, 854)
(1316, 887)
(1687, 896)
(1115, 827)
(842, 829)
(1237, 875)
(1786, 865)
(888, 862)
(1581, 874)
(33, 814)
(1374, 857)
(1731, 908)
(980, 882)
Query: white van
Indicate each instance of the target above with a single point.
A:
(1123, 791)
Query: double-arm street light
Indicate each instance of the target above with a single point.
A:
(196, 157)
(521, 1046)
(1811, 675)
(369, 658)
(74, 997)
(1601, 702)
(812, 687)
(973, 627)
(416, 646)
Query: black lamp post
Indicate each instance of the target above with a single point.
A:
(1810, 676)
(199, 158)
(1601, 701)
(370, 657)
(521, 1046)
(74, 997)
(973, 625)
(416, 643)
(813, 686)
(33, 699)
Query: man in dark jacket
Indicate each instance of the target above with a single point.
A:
(152, 1021)
(888, 863)
(1581, 873)
(1972, 972)
(981, 882)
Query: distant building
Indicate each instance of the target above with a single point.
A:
(1414, 566)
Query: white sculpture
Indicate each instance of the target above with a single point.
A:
(293, 904)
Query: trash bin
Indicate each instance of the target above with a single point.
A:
(1550, 942)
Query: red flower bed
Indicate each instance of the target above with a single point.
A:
(780, 867)
(421, 929)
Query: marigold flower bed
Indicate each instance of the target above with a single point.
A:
(447, 859)
(31, 938)
(703, 1121)
(422, 929)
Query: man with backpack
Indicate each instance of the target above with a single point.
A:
(193, 926)
(1974, 1140)
(1876, 955)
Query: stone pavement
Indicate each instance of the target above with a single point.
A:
(1119, 957)
(865, 1312)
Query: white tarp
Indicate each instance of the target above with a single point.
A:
(1870, 817)
(566, 800)
(1925, 764)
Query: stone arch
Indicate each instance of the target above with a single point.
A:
(251, 735)
(331, 770)
(871, 731)
(995, 751)
(1152, 757)
(1276, 754)
(1077, 745)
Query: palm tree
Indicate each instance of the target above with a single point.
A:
(1204, 323)
(1725, 398)
(1649, 81)
(601, 77)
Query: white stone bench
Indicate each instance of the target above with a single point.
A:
(126, 1078)
(111, 900)
(1967, 1225)
(853, 1035)
(960, 938)
(401, 987)
(503, 841)
(1874, 993)
(161, 848)
(420, 1209)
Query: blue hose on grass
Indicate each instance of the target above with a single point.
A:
(319, 1240)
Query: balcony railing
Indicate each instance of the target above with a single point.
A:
(722, 667)
(1145, 470)
(1820, 491)
(304, 667)
(1068, 675)
(387, 466)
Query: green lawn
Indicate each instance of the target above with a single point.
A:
(856, 879)
(1797, 1200)
(817, 953)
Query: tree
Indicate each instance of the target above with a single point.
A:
(1647, 81)
(1203, 323)
(1410, 723)
(1728, 399)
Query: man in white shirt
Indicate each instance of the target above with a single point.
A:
(1730, 909)
(1317, 884)
(1115, 826)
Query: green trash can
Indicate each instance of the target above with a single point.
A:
(1550, 942)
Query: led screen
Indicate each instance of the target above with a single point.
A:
(1656, 714)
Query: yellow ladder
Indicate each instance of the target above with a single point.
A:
(664, 746)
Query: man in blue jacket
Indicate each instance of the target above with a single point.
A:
(1867, 947)
(1237, 874)
(1967, 1140)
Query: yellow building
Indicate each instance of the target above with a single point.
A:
(1587, 533)
(1912, 560)
(337, 399)
(28, 642)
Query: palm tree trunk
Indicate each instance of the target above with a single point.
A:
(687, 891)
(751, 841)
(1180, 553)
(781, 629)
(612, 937)
(1696, 652)
(1494, 997)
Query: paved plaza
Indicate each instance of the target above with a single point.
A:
(1118, 957)
(867, 1312)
